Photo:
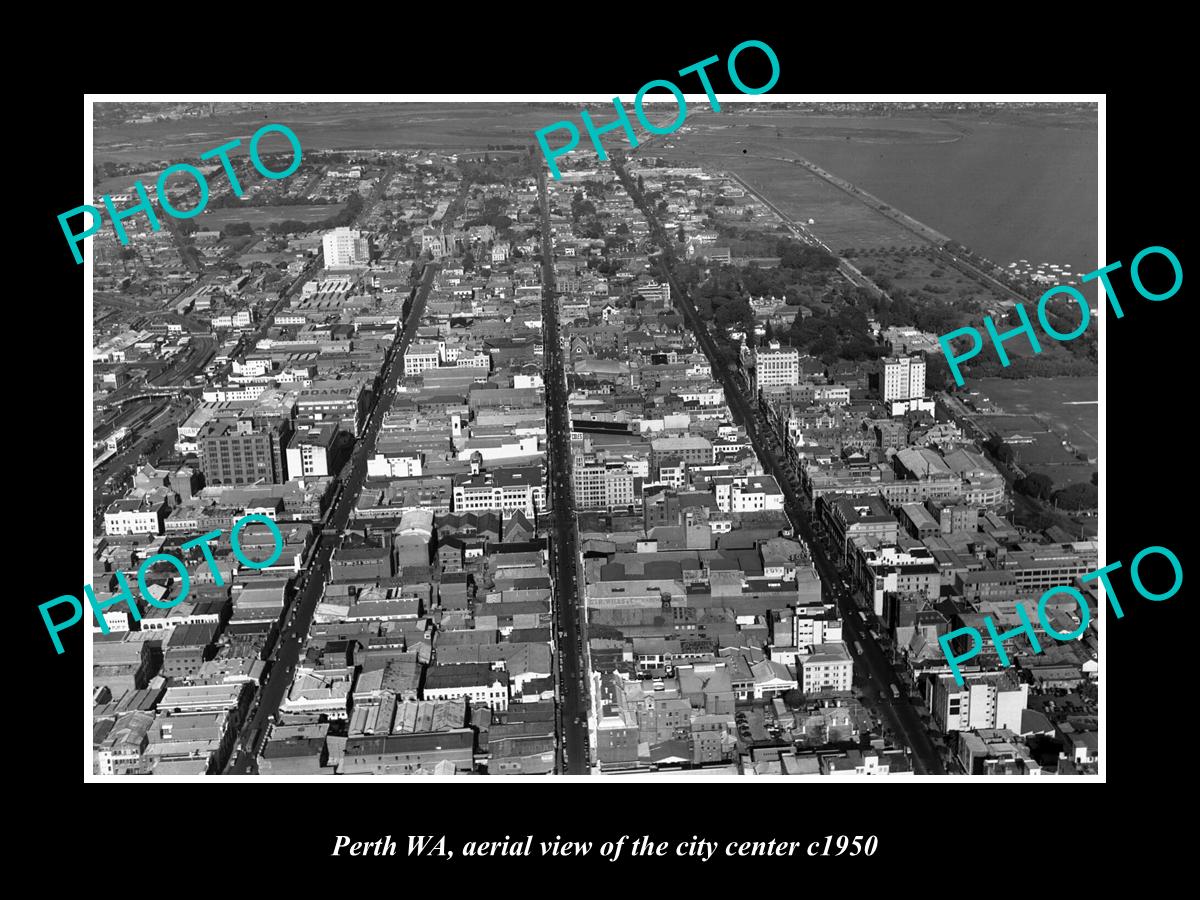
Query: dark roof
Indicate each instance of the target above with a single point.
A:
(518, 547)
(417, 742)
(462, 675)
(198, 635)
(529, 584)
(293, 748)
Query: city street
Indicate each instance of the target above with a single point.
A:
(572, 676)
(286, 653)
(899, 714)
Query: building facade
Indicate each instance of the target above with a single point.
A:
(345, 247)
(244, 452)
(775, 367)
(902, 378)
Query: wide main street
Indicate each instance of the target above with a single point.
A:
(564, 541)
(312, 580)
(901, 717)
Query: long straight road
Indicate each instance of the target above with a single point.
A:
(564, 539)
(900, 715)
(312, 584)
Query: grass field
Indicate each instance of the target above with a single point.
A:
(1055, 401)
(338, 126)
(747, 146)
(261, 216)
(838, 219)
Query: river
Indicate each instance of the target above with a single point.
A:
(1008, 191)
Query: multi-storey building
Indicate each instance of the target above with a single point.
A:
(477, 682)
(886, 568)
(244, 452)
(345, 247)
(601, 484)
(420, 357)
(1041, 568)
(983, 700)
(345, 401)
(829, 667)
(309, 451)
(689, 449)
(135, 515)
(902, 378)
(757, 493)
(502, 489)
(775, 367)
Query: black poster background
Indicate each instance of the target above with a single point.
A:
(927, 832)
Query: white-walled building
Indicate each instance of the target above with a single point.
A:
(602, 484)
(319, 692)
(983, 700)
(477, 682)
(808, 631)
(308, 451)
(502, 490)
(344, 247)
(760, 492)
(403, 465)
(775, 367)
(134, 515)
(828, 667)
(902, 378)
(419, 357)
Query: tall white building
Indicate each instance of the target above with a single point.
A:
(600, 484)
(903, 378)
(775, 367)
(308, 451)
(419, 357)
(826, 667)
(983, 700)
(345, 247)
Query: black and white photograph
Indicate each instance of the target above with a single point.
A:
(702, 435)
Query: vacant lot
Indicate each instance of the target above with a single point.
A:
(915, 272)
(261, 216)
(924, 278)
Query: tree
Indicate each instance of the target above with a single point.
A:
(1081, 495)
(1036, 485)
(641, 185)
(468, 261)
